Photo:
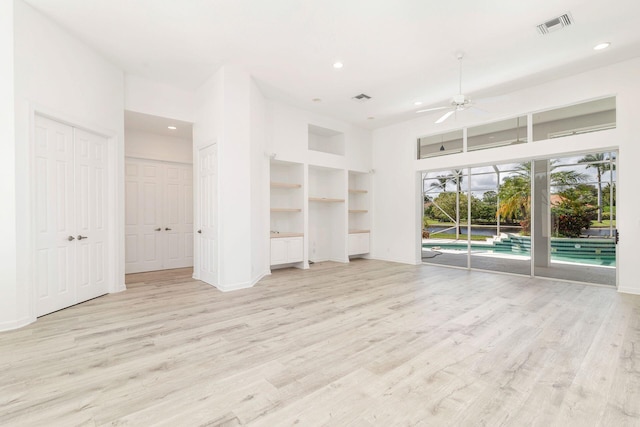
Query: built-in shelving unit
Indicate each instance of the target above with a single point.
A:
(359, 219)
(287, 219)
(327, 214)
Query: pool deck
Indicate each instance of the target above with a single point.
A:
(518, 264)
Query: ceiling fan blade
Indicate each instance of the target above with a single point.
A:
(433, 109)
(478, 111)
(445, 116)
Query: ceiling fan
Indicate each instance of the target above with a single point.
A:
(459, 102)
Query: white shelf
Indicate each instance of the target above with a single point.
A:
(359, 231)
(358, 211)
(357, 191)
(286, 210)
(281, 235)
(275, 184)
(325, 200)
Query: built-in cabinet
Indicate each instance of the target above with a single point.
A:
(319, 212)
(286, 213)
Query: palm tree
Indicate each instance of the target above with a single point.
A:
(441, 183)
(515, 192)
(456, 179)
(602, 164)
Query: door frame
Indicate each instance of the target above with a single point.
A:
(115, 197)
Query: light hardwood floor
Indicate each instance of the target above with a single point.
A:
(363, 344)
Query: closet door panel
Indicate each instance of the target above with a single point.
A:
(143, 216)
(178, 216)
(91, 203)
(54, 211)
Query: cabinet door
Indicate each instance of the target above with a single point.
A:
(358, 243)
(295, 249)
(279, 251)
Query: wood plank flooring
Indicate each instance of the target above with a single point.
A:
(370, 343)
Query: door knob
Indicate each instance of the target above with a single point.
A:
(158, 229)
(71, 238)
(82, 237)
(167, 229)
(199, 231)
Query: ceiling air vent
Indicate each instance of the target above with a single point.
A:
(361, 98)
(555, 24)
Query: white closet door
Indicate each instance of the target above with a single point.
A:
(143, 216)
(54, 207)
(178, 216)
(208, 200)
(91, 187)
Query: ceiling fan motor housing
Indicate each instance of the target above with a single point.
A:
(459, 101)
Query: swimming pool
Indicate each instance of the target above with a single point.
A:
(591, 251)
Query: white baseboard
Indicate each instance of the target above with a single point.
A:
(630, 291)
(242, 285)
(398, 260)
(16, 324)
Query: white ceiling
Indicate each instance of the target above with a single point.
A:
(396, 51)
(158, 125)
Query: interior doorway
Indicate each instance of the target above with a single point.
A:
(159, 195)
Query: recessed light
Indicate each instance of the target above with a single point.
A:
(338, 65)
(417, 103)
(317, 100)
(172, 127)
(602, 46)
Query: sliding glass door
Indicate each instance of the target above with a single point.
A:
(574, 218)
(500, 218)
(547, 217)
(444, 231)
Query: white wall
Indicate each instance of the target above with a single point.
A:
(230, 113)
(9, 317)
(234, 189)
(397, 217)
(147, 145)
(157, 99)
(58, 75)
(289, 138)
